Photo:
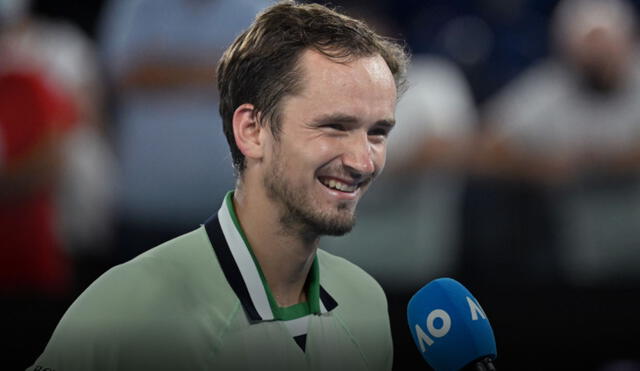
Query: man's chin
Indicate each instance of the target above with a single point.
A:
(334, 221)
(337, 232)
(337, 226)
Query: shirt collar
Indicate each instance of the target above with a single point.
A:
(243, 271)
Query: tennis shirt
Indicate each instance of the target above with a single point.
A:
(200, 302)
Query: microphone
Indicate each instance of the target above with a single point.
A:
(450, 328)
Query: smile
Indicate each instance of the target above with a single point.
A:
(339, 185)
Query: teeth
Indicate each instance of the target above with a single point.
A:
(339, 185)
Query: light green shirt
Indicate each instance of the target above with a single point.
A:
(200, 302)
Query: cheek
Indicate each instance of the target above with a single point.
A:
(324, 147)
(318, 150)
(307, 155)
(379, 155)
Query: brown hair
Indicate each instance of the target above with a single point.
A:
(260, 66)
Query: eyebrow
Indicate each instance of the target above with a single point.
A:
(339, 118)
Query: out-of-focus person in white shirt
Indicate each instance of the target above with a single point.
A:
(572, 125)
(160, 56)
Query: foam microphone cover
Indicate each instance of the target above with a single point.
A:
(449, 327)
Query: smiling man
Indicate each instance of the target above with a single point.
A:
(307, 98)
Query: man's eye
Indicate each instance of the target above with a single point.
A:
(379, 132)
(338, 127)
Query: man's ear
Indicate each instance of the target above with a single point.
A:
(247, 131)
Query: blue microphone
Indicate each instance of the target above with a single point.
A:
(450, 328)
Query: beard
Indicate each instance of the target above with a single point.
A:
(601, 78)
(299, 212)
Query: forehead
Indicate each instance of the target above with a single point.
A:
(319, 68)
(362, 88)
(364, 82)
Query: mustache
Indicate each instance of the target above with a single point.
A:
(348, 175)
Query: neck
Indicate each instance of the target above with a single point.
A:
(285, 255)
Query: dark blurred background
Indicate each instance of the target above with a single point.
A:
(513, 168)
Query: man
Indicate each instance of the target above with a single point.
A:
(307, 101)
(569, 131)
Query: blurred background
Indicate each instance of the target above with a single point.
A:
(514, 167)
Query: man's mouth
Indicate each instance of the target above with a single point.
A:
(339, 185)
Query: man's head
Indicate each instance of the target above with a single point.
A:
(307, 99)
(261, 66)
(597, 38)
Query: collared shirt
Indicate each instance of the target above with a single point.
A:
(200, 302)
(247, 280)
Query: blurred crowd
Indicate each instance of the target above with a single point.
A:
(515, 162)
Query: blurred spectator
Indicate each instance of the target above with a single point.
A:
(161, 57)
(571, 127)
(56, 172)
(34, 270)
(33, 120)
(66, 59)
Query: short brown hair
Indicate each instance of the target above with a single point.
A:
(260, 66)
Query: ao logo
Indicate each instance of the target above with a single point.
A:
(444, 328)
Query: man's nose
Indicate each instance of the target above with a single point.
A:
(358, 156)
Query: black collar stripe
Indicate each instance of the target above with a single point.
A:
(301, 341)
(245, 263)
(241, 272)
(229, 267)
(326, 301)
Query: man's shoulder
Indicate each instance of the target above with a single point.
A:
(161, 299)
(344, 278)
(160, 264)
(179, 271)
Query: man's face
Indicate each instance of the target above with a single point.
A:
(602, 56)
(332, 142)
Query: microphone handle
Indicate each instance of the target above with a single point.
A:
(483, 364)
